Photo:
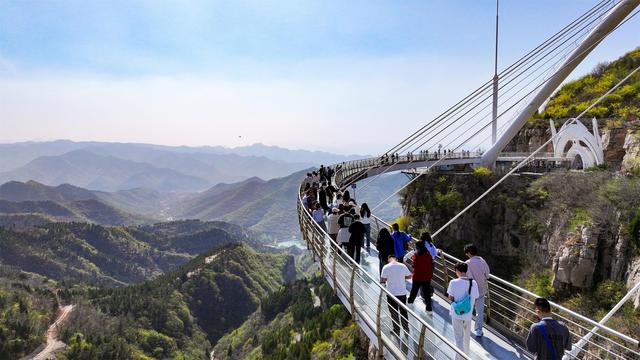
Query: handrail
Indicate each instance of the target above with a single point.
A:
(365, 273)
(353, 167)
(556, 305)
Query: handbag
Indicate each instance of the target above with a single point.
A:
(464, 305)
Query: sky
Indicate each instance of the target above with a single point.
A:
(341, 76)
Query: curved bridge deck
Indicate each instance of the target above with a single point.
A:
(509, 308)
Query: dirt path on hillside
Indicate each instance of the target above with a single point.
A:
(53, 344)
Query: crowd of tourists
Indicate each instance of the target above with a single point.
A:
(349, 226)
(548, 338)
(337, 213)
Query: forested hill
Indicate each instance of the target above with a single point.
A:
(25, 312)
(303, 320)
(112, 255)
(575, 96)
(177, 315)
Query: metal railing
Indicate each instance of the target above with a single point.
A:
(369, 302)
(509, 308)
(351, 171)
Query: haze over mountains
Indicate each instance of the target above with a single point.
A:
(120, 166)
(129, 184)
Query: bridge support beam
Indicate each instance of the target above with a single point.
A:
(334, 250)
(379, 325)
(610, 21)
(322, 242)
(352, 301)
(420, 350)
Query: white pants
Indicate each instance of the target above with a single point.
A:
(461, 332)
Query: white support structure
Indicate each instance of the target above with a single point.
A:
(585, 145)
(609, 22)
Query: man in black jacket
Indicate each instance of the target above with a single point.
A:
(357, 231)
(346, 219)
(549, 338)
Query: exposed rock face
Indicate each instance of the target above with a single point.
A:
(530, 138)
(633, 277)
(569, 222)
(289, 270)
(576, 260)
(631, 158)
(612, 144)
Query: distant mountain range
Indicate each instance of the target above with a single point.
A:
(122, 166)
(32, 203)
(264, 206)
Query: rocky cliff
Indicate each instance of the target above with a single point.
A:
(583, 227)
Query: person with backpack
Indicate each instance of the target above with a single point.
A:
(401, 242)
(463, 293)
(384, 246)
(548, 338)
(345, 220)
(422, 274)
(478, 270)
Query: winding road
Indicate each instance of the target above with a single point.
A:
(53, 344)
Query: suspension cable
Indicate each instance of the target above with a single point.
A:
(506, 73)
(597, 10)
(528, 158)
(502, 114)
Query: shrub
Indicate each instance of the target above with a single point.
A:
(482, 171)
(581, 216)
(404, 222)
(539, 282)
(450, 201)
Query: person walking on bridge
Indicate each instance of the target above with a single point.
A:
(422, 274)
(322, 198)
(318, 216)
(463, 293)
(384, 246)
(332, 224)
(430, 246)
(478, 271)
(357, 230)
(394, 275)
(365, 219)
(548, 338)
(401, 242)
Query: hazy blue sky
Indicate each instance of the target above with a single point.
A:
(362, 73)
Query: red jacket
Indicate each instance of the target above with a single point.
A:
(422, 267)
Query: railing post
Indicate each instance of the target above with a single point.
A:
(335, 277)
(351, 296)
(321, 238)
(445, 276)
(420, 350)
(487, 310)
(379, 325)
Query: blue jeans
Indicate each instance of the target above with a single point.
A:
(479, 313)
(367, 234)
